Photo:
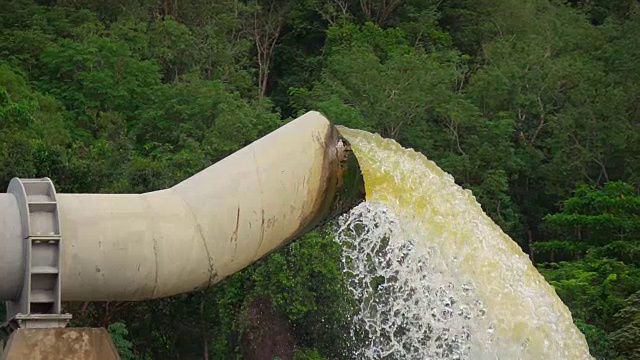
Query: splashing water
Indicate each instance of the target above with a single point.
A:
(435, 277)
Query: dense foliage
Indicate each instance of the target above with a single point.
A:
(534, 105)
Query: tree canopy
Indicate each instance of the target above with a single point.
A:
(534, 105)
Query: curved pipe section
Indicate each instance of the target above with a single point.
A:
(11, 251)
(142, 246)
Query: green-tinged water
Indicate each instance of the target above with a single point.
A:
(435, 277)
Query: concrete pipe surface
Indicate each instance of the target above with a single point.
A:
(130, 247)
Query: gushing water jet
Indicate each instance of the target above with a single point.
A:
(435, 277)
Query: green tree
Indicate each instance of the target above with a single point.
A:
(604, 221)
(33, 136)
(118, 332)
(570, 122)
(597, 235)
(204, 112)
(594, 290)
(627, 322)
(97, 76)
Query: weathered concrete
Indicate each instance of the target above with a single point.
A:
(141, 246)
(60, 344)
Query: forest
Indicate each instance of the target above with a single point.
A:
(534, 105)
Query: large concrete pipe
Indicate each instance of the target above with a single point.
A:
(190, 236)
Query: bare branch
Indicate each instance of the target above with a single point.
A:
(268, 20)
(453, 127)
(379, 11)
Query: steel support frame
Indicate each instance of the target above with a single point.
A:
(39, 304)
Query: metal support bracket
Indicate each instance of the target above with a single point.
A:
(39, 304)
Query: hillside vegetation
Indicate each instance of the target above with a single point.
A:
(534, 105)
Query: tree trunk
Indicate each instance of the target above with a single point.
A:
(531, 254)
(267, 24)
